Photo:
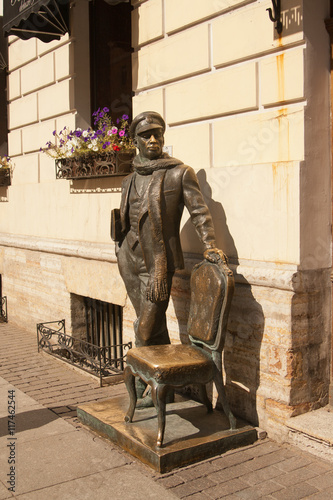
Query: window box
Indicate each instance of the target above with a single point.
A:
(91, 166)
(5, 177)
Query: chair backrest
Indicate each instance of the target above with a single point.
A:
(212, 287)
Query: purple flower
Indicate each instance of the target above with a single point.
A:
(121, 133)
(54, 132)
(106, 110)
(125, 117)
(78, 133)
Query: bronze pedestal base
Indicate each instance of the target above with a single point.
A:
(191, 435)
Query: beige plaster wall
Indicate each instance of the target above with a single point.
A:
(48, 89)
(233, 98)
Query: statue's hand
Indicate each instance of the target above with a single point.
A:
(214, 255)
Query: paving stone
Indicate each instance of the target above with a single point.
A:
(261, 475)
(196, 472)
(296, 492)
(229, 473)
(259, 491)
(296, 476)
(323, 481)
(294, 463)
(198, 496)
(270, 459)
(192, 487)
(227, 488)
(322, 495)
(170, 481)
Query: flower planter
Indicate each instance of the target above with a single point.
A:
(5, 178)
(92, 165)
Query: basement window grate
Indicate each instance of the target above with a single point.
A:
(99, 349)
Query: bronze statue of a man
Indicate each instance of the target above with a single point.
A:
(149, 249)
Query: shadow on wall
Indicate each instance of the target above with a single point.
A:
(246, 320)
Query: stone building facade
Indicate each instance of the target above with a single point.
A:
(249, 110)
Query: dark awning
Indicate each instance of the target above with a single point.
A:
(44, 19)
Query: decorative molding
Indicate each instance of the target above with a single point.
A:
(280, 276)
(69, 248)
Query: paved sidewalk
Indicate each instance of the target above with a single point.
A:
(57, 458)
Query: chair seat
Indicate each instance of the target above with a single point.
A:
(172, 364)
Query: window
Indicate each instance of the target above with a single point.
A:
(110, 57)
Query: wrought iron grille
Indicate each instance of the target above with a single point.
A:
(100, 360)
(4, 315)
(104, 329)
(3, 310)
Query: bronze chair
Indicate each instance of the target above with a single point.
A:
(177, 365)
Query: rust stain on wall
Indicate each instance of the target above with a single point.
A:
(280, 76)
(284, 136)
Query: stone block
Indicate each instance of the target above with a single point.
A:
(215, 94)
(182, 139)
(26, 170)
(15, 142)
(250, 24)
(193, 11)
(157, 62)
(55, 100)
(147, 22)
(62, 62)
(37, 74)
(282, 77)
(152, 100)
(35, 136)
(273, 384)
(67, 120)
(270, 191)
(278, 361)
(23, 111)
(14, 84)
(95, 279)
(47, 168)
(271, 136)
(21, 52)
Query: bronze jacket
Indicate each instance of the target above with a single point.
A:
(180, 188)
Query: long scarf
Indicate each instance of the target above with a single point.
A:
(157, 288)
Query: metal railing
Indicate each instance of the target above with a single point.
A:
(4, 314)
(100, 360)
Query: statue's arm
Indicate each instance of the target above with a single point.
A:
(200, 216)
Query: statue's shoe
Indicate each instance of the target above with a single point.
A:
(147, 401)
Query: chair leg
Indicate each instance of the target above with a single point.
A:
(204, 398)
(218, 379)
(158, 393)
(130, 385)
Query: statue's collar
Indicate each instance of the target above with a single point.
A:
(144, 166)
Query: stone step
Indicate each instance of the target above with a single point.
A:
(313, 432)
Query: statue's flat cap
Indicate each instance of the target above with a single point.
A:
(148, 120)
